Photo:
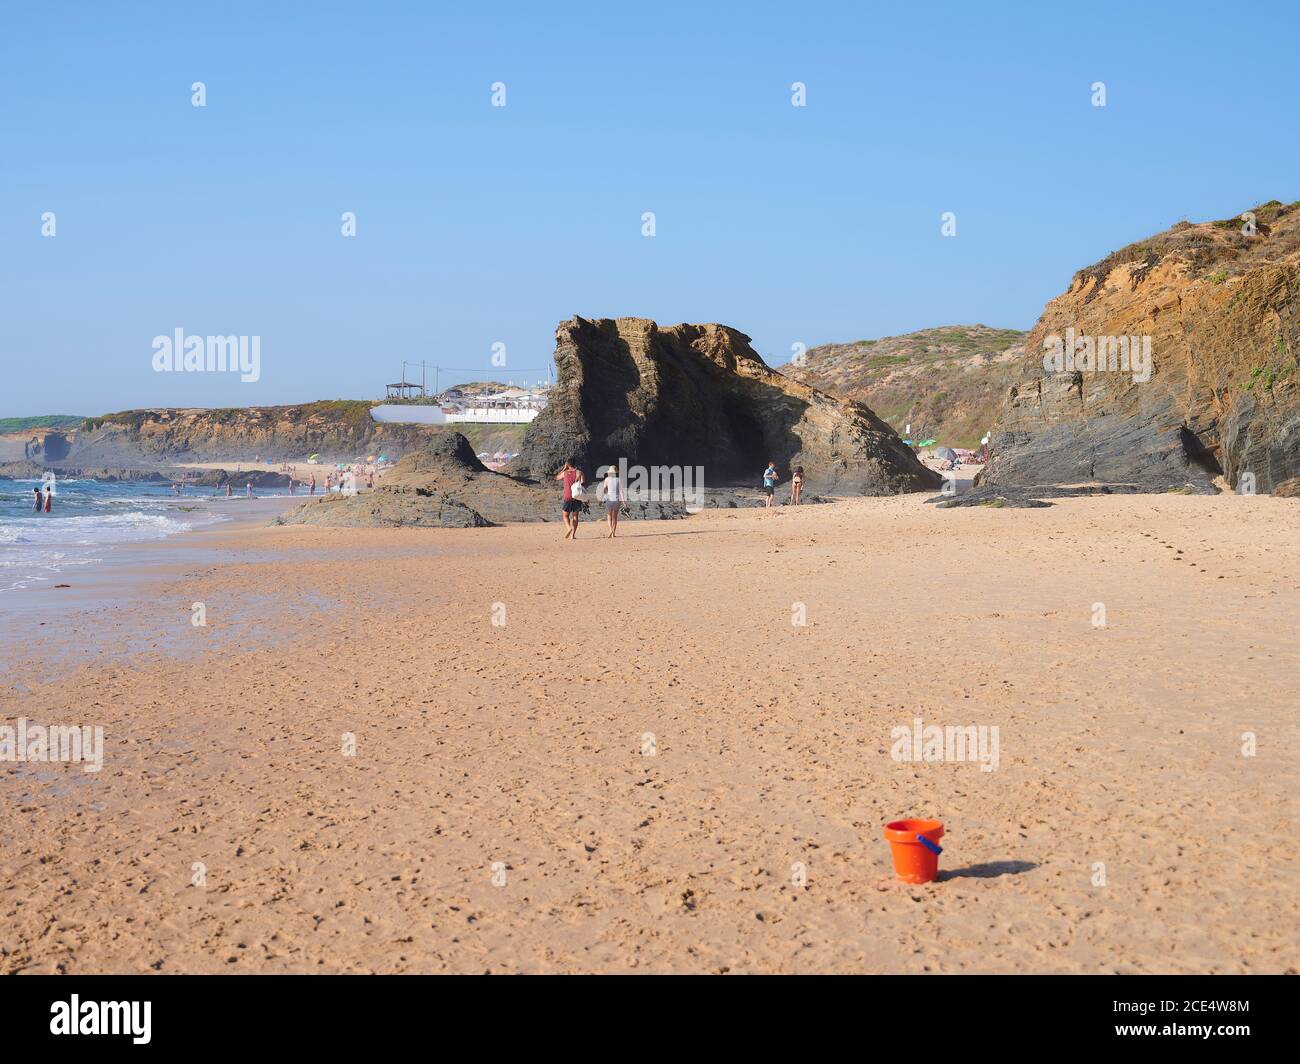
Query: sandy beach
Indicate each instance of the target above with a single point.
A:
(644, 765)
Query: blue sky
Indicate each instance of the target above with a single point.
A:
(479, 225)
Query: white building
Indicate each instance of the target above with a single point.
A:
(403, 414)
(511, 407)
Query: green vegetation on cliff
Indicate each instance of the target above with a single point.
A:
(946, 382)
(41, 421)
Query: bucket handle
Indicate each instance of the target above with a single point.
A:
(933, 847)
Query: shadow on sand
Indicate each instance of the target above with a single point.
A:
(989, 870)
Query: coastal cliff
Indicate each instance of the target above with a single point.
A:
(337, 430)
(1217, 304)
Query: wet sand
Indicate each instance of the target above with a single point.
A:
(649, 767)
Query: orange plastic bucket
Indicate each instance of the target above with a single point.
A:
(914, 845)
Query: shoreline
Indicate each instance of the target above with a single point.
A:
(124, 562)
(129, 574)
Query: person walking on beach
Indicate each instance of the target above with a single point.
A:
(249, 489)
(796, 486)
(229, 491)
(572, 507)
(613, 494)
(312, 489)
(769, 483)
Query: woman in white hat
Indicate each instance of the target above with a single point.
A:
(614, 495)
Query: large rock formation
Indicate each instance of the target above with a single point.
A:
(444, 485)
(699, 395)
(1221, 309)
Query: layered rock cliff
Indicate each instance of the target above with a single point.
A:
(339, 430)
(699, 395)
(1219, 306)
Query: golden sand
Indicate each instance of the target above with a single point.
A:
(649, 767)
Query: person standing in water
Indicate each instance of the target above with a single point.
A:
(312, 489)
(36, 506)
(611, 490)
(769, 483)
(229, 491)
(796, 486)
(49, 497)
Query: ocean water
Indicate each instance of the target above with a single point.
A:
(90, 518)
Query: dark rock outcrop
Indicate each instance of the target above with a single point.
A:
(26, 470)
(208, 478)
(1021, 498)
(699, 395)
(219, 478)
(1221, 308)
(444, 485)
(21, 470)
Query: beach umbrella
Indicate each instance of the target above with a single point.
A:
(925, 443)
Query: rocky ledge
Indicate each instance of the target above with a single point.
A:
(444, 485)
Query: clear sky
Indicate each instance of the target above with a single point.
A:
(479, 225)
